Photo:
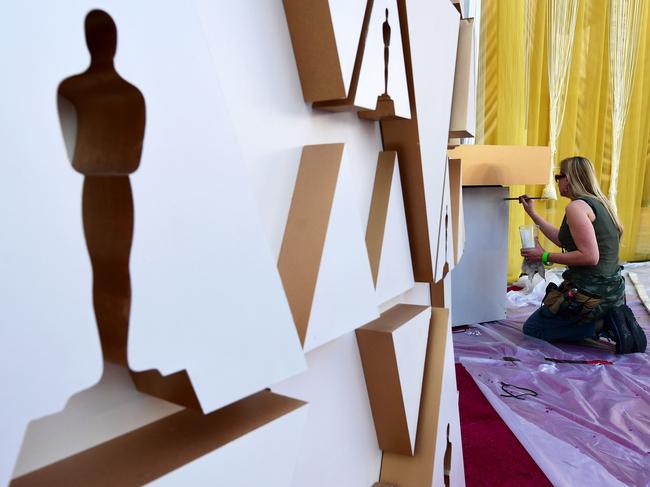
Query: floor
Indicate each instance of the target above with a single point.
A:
(581, 423)
(491, 452)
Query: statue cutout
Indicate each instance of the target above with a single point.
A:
(385, 109)
(110, 113)
(386, 32)
(445, 268)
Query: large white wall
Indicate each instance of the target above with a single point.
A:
(249, 45)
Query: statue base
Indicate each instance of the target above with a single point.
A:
(385, 110)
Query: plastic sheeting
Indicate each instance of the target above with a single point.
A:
(583, 424)
(533, 291)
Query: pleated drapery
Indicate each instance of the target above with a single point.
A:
(623, 31)
(560, 27)
(504, 116)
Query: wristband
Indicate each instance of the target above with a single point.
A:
(545, 258)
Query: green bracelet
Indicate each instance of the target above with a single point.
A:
(545, 258)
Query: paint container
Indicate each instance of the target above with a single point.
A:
(528, 234)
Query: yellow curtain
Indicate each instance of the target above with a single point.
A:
(623, 29)
(504, 116)
(560, 27)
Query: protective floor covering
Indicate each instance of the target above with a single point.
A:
(583, 424)
(491, 453)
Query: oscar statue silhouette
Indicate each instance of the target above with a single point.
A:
(385, 108)
(107, 149)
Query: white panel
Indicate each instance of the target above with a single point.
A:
(433, 31)
(49, 345)
(344, 298)
(347, 20)
(339, 447)
(111, 408)
(479, 280)
(199, 253)
(449, 415)
(446, 231)
(410, 342)
(271, 119)
(419, 294)
(395, 274)
(371, 75)
(264, 457)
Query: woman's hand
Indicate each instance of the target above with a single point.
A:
(534, 254)
(528, 204)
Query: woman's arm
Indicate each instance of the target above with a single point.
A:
(579, 218)
(547, 229)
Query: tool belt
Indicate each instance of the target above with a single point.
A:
(568, 301)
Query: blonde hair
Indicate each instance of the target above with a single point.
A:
(582, 181)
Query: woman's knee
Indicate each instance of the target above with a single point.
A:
(532, 329)
(533, 325)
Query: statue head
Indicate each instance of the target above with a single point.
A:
(101, 36)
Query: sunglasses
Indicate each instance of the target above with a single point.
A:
(559, 176)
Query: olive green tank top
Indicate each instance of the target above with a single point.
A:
(604, 278)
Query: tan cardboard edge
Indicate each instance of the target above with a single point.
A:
(402, 136)
(336, 106)
(304, 234)
(460, 134)
(417, 470)
(314, 47)
(443, 224)
(147, 453)
(393, 318)
(377, 353)
(379, 209)
(462, 123)
(456, 187)
(439, 299)
(380, 369)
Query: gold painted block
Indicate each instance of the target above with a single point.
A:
(503, 165)
(392, 350)
(304, 235)
(417, 470)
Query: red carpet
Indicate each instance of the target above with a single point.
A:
(492, 454)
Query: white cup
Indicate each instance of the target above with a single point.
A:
(528, 234)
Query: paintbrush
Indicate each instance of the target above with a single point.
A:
(529, 198)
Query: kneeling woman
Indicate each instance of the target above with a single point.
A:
(589, 236)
